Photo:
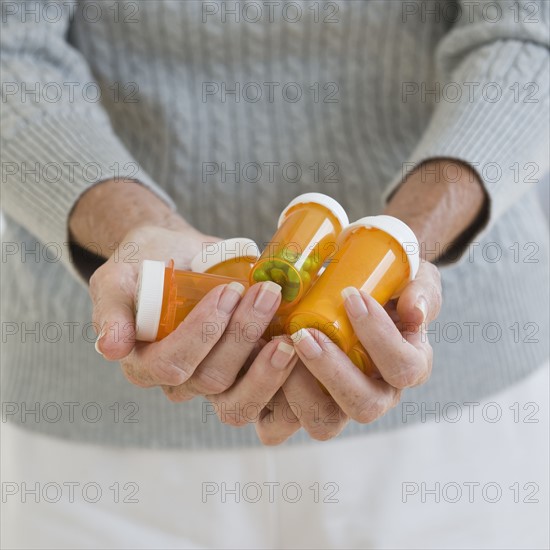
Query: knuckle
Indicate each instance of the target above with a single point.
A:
(334, 375)
(233, 418)
(324, 432)
(361, 323)
(168, 363)
(209, 381)
(94, 282)
(405, 375)
(166, 375)
(396, 398)
(170, 372)
(251, 331)
(425, 372)
(138, 382)
(176, 395)
(369, 411)
(213, 334)
(134, 377)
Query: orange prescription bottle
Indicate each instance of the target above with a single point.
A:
(234, 258)
(378, 255)
(361, 359)
(165, 296)
(305, 238)
(279, 321)
(230, 258)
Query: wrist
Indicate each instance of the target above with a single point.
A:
(107, 212)
(444, 202)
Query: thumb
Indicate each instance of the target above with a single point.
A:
(112, 293)
(421, 299)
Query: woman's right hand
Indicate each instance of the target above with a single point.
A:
(205, 354)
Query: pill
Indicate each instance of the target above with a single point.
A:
(278, 275)
(260, 275)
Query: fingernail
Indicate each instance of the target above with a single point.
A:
(267, 297)
(422, 306)
(306, 344)
(354, 303)
(230, 297)
(283, 355)
(101, 335)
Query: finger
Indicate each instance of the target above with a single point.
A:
(402, 363)
(419, 340)
(151, 364)
(196, 335)
(250, 359)
(317, 412)
(220, 368)
(277, 421)
(141, 371)
(391, 310)
(245, 400)
(112, 294)
(421, 299)
(362, 398)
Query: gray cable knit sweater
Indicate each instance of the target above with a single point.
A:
(340, 97)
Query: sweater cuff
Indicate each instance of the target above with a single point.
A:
(504, 140)
(48, 164)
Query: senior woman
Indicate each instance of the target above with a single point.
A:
(129, 129)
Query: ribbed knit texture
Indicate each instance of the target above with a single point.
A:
(375, 52)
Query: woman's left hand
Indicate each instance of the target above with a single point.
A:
(394, 337)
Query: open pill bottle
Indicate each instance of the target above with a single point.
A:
(278, 324)
(234, 258)
(305, 239)
(376, 254)
(165, 296)
(230, 258)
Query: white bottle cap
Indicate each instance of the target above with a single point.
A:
(318, 198)
(230, 249)
(149, 292)
(400, 231)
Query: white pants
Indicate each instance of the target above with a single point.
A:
(471, 483)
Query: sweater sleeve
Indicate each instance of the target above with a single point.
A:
(492, 101)
(56, 143)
